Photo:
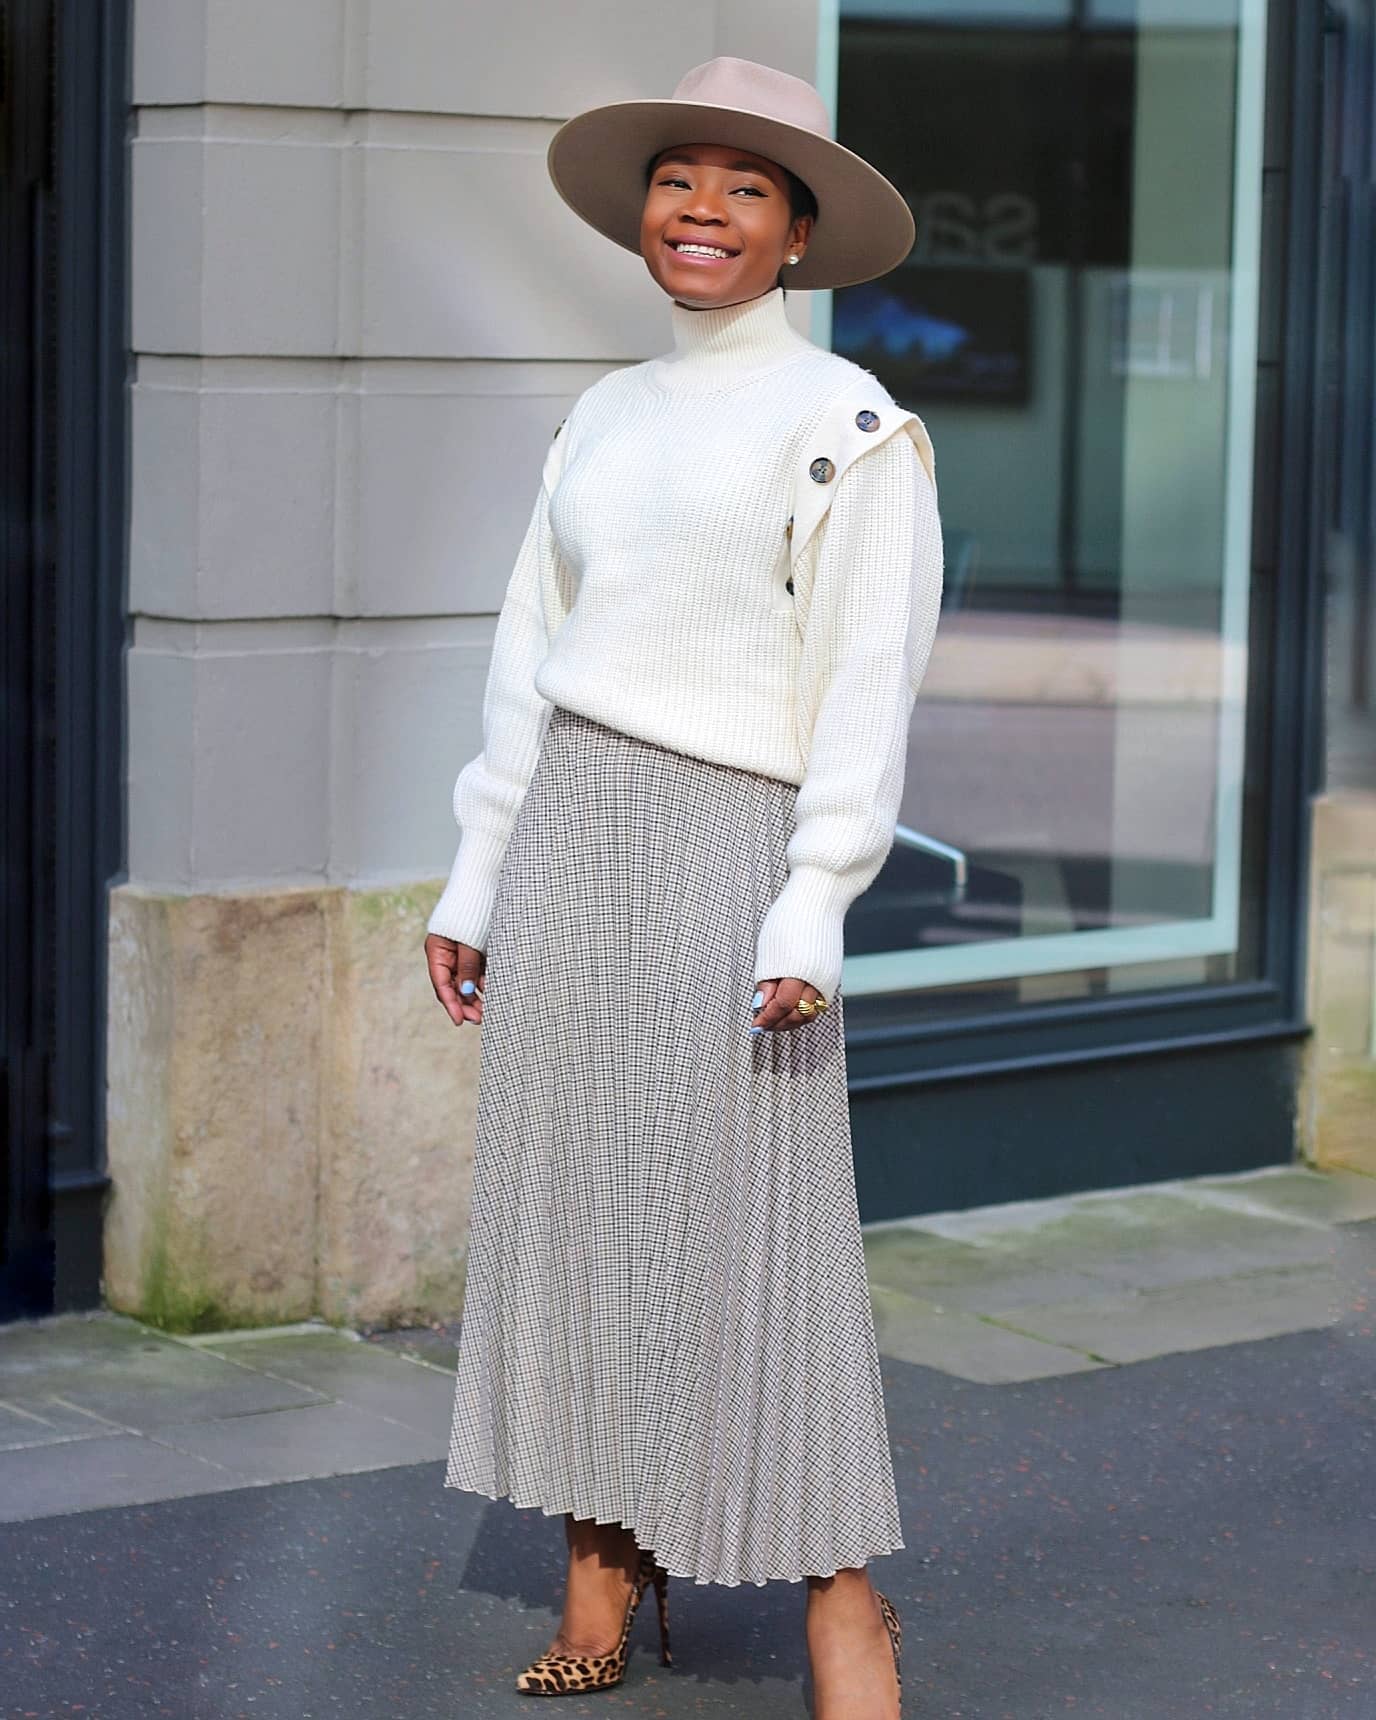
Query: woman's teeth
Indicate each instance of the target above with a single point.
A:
(701, 250)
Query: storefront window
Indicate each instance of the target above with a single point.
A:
(1077, 326)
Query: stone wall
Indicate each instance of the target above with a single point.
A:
(358, 312)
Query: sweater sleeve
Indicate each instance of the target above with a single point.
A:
(869, 628)
(490, 789)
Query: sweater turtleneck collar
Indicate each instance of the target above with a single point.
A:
(728, 343)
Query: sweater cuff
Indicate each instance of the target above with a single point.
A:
(464, 910)
(800, 936)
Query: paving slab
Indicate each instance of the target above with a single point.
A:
(343, 1368)
(1326, 1197)
(965, 1345)
(964, 1275)
(437, 1343)
(296, 1444)
(1130, 1326)
(48, 1421)
(89, 1474)
(125, 1373)
(1143, 1239)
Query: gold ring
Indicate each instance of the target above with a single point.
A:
(803, 1006)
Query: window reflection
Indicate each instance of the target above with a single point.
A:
(1072, 327)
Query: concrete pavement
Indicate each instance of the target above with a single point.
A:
(1134, 1434)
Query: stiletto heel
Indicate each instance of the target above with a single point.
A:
(662, 1597)
(573, 1674)
(895, 1629)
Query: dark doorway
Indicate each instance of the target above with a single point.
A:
(63, 112)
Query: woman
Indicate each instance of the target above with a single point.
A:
(694, 742)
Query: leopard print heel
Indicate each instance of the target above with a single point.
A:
(573, 1674)
(895, 1629)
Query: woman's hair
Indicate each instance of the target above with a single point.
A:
(800, 199)
(800, 202)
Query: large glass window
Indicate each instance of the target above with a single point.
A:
(1077, 326)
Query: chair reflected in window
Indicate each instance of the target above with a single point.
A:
(928, 893)
(962, 561)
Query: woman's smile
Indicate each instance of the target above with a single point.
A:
(697, 252)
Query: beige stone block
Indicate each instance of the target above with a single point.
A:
(438, 57)
(467, 251)
(233, 492)
(229, 733)
(1338, 1107)
(408, 691)
(290, 1111)
(166, 195)
(294, 52)
(237, 232)
(401, 1091)
(217, 1012)
(446, 482)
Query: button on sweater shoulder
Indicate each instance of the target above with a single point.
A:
(663, 588)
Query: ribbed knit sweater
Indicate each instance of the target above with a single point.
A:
(659, 589)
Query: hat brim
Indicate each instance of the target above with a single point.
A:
(597, 161)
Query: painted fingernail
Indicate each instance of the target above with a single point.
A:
(756, 1030)
(467, 988)
(757, 1000)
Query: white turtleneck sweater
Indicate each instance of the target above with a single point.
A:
(652, 593)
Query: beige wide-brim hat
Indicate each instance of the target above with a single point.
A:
(598, 161)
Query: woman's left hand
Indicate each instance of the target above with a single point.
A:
(779, 1005)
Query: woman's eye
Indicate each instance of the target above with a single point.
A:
(754, 190)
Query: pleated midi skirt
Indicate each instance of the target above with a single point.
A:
(667, 1320)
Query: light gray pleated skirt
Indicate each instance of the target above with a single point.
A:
(667, 1320)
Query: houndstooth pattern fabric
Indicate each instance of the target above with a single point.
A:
(667, 1320)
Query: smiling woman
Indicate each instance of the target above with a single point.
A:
(694, 742)
(723, 217)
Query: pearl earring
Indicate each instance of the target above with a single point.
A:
(792, 258)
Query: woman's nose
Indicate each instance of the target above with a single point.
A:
(704, 206)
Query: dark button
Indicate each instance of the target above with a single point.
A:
(788, 529)
(867, 420)
(788, 586)
(821, 471)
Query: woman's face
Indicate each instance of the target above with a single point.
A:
(706, 199)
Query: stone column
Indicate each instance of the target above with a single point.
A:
(1338, 1096)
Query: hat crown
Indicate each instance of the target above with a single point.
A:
(734, 83)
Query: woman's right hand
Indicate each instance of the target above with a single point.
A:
(452, 967)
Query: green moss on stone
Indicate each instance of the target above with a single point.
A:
(171, 1303)
(373, 908)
